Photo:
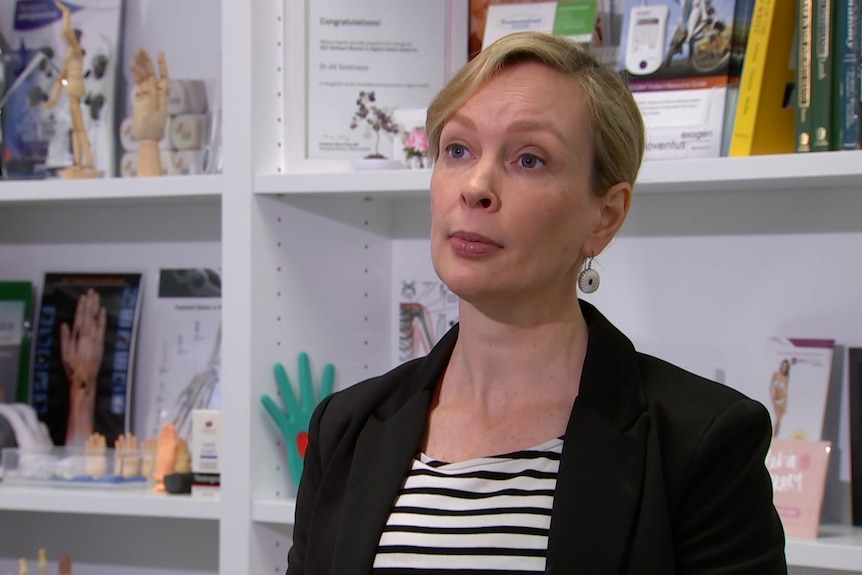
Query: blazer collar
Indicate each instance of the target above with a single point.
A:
(601, 470)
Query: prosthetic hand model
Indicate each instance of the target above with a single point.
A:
(293, 420)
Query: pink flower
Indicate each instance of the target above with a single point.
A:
(416, 142)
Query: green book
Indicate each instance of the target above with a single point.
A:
(821, 76)
(16, 309)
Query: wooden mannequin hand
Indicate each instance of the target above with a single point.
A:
(150, 100)
(81, 350)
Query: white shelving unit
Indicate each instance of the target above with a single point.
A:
(311, 254)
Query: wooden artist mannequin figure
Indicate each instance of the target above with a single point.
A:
(149, 110)
(71, 77)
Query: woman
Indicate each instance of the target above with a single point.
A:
(533, 437)
(778, 387)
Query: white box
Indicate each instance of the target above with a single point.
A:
(206, 455)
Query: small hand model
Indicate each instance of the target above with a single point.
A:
(184, 457)
(149, 110)
(71, 77)
(166, 456)
(81, 349)
(30, 434)
(127, 461)
(148, 457)
(294, 419)
(95, 462)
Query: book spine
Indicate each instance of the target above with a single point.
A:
(751, 80)
(845, 87)
(804, 14)
(821, 76)
(742, 14)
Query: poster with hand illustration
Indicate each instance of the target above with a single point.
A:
(84, 353)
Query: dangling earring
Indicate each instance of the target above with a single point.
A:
(588, 279)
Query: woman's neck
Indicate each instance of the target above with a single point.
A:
(500, 361)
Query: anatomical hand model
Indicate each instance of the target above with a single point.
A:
(81, 349)
(95, 462)
(71, 77)
(127, 461)
(149, 109)
(166, 456)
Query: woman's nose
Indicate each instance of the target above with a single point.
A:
(481, 187)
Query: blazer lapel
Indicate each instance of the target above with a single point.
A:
(384, 449)
(602, 467)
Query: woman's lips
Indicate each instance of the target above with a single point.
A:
(470, 244)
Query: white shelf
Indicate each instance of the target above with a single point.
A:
(111, 189)
(801, 171)
(276, 511)
(837, 547)
(127, 503)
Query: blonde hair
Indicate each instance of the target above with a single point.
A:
(618, 128)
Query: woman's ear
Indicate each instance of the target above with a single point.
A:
(613, 208)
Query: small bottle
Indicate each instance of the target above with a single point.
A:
(22, 567)
(42, 563)
(65, 565)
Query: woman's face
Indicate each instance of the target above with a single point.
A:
(512, 211)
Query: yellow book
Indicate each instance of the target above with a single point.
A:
(764, 122)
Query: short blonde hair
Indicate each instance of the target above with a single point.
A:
(618, 128)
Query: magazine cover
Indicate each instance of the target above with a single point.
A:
(84, 354)
(676, 54)
(426, 311)
(795, 381)
(184, 372)
(38, 138)
(798, 470)
(15, 333)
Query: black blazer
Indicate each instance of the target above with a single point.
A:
(662, 471)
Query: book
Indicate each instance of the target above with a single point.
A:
(844, 134)
(16, 331)
(764, 118)
(804, 71)
(182, 371)
(854, 381)
(84, 354)
(677, 59)
(742, 14)
(798, 471)
(796, 377)
(821, 76)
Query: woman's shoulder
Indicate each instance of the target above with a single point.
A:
(685, 400)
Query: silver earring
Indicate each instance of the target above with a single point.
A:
(588, 279)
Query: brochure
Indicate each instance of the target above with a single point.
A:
(15, 334)
(677, 58)
(184, 373)
(37, 139)
(798, 470)
(795, 382)
(84, 354)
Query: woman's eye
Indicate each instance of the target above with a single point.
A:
(530, 161)
(456, 150)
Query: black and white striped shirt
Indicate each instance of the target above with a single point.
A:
(485, 516)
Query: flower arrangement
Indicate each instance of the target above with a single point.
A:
(416, 146)
(368, 112)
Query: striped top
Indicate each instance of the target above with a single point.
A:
(485, 516)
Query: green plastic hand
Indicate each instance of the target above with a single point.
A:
(294, 419)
